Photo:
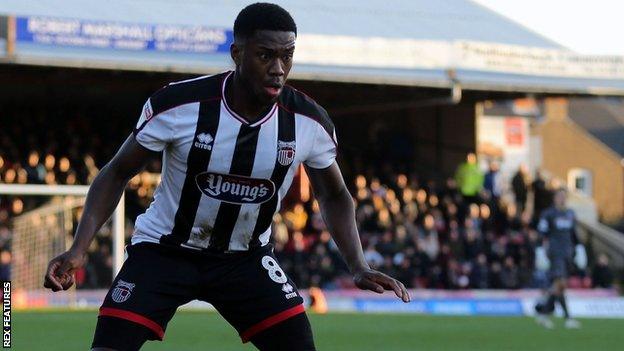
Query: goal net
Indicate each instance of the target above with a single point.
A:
(40, 235)
(46, 231)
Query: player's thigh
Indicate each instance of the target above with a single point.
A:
(120, 335)
(293, 334)
(151, 285)
(255, 294)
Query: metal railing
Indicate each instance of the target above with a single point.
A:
(601, 238)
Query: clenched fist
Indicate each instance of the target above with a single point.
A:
(61, 269)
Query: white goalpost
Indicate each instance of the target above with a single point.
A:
(42, 233)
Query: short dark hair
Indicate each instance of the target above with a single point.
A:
(262, 16)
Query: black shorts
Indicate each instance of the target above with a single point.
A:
(560, 266)
(249, 290)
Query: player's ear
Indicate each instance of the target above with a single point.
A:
(236, 52)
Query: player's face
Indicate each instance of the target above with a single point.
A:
(265, 62)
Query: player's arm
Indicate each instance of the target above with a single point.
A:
(338, 212)
(102, 198)
(543, 225)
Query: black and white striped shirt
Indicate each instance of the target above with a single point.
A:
(223, 178)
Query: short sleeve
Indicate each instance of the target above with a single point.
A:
(323, 151)
(152, 131)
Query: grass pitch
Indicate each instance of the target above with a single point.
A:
(194, 330)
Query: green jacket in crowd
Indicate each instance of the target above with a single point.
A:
(469, 179)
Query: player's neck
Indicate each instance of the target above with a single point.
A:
(242, 101)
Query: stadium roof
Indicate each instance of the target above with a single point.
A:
(602, 118)
(446, 20)
(412, 42)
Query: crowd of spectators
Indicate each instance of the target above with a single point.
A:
(428, 235)
(459, 234)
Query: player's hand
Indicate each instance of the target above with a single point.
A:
(369, 279)
(60, 272)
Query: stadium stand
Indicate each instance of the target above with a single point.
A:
(423, 232)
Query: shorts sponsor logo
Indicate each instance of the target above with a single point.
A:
(235, 189)
(285, 152)
(122, 291)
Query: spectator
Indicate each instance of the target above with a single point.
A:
(35, 170)
(297, 218)
(542, 196)
(469, 178)
(373, 257)
(602, 276)
(510, 276)
(492, 181)
(519, 186)
(480, 273)
(429, 238)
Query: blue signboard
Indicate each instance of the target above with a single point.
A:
(463, 307)
(122, 36)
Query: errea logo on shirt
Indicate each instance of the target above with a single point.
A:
(204, 141)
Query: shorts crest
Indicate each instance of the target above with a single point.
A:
(122, 291)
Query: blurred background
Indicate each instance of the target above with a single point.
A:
(456, 120)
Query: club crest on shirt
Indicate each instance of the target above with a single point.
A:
(147, 111)
(235, 189)
(285, 152)
(122, 291)
(146, 115)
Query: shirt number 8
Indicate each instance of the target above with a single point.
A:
(275, 272)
